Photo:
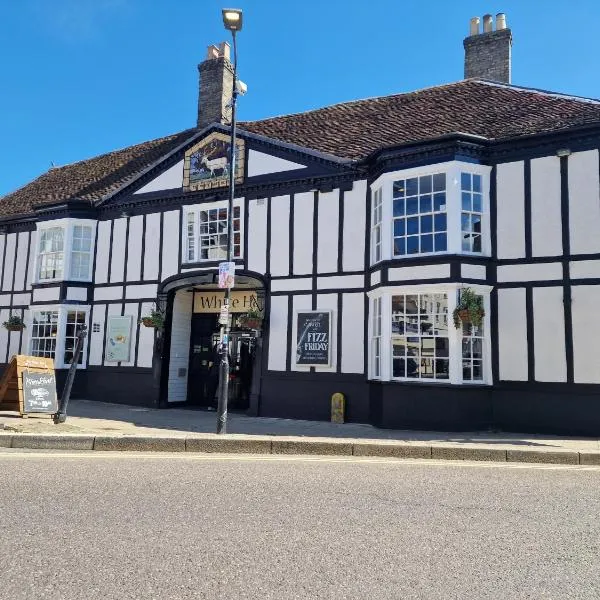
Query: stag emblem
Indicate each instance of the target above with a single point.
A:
(211, 161)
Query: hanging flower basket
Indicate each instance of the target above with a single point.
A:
(154, 320)
(469, 309)
(14, 323)
(251, 320)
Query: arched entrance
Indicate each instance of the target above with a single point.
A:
(189, 361)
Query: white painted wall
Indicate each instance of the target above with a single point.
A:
(21, 266)
(510, 210)
(32, 259)
(117, 262)
(280, 235)
(530, 272)
(97, 338)
(102, 251)
(134, 250)
(180, 346)
(303, 302)
(584, 202)
(146, 344)
(170, 179)
(147, 290)
(549, 334)
(512, 334)
(77, 293)
(584, 269)
(151, 246)
(291, 285)
(14, 337)
(546, 220)
(353, 316)
(304, 206)
(114, 310)
(170, 244)
(260, 163)
(9, 261)
(108, 293)
(131, 309)
(473, 271)
(330, 302)
(354, 231)
(441, 271)
(340, 281)
(328, 231)
(46, 294)
(278, 319)
(257, 235)
(4, 313)
(586, 333)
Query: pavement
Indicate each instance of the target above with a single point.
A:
(104, 426)
(179, 526)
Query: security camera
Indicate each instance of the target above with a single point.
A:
(240, 87)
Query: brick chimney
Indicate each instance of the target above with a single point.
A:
(216, 79)
(488, 52)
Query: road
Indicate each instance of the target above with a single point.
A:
(102, 526)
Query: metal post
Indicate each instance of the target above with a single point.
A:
(61, 415)
(224, 365)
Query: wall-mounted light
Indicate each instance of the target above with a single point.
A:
(563, 152)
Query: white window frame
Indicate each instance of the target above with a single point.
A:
(67, 225)
(61, 330)
(195, 209)
(453, 170)
(454, 334)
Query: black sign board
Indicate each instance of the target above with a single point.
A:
(39, 393)
(313, 338)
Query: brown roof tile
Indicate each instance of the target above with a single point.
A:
(350, 130)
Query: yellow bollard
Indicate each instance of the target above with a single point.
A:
(338, 407)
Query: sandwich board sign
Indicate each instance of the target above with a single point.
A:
(28, 385)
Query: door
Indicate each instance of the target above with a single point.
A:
(202, 376)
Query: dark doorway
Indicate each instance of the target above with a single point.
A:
(203, 377)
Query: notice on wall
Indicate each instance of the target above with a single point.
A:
(118, 339)
(313, 346)
(39, 393)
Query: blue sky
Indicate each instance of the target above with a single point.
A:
(83, 77)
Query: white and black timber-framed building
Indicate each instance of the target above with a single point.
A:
(375, 213)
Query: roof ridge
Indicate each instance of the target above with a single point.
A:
(522, 88)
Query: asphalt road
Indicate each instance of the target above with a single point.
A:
(104, 526)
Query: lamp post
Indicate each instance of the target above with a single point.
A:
(232, 19)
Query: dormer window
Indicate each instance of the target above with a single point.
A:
(65, 250)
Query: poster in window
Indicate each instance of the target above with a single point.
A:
(118, 339)
(313, 345)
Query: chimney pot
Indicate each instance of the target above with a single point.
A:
(474, 26)
(487, 23)
(500, 21)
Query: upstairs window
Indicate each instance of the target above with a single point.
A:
(377, 218)
(472, 212)
(206, 232)
(65, 249)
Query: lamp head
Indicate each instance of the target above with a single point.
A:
(232, 19)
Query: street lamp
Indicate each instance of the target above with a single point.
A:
(232, 19)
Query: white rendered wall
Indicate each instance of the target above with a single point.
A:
(260, 163)
(114, 310)
(512, 334)
(146, 343)
(97, 338)
(9, 261)
(549, 334)
(180, 346)
(303, 302)
(278, 319)
(586, 333)
(117, 261)
(584, 202)
(354, 231)
(102, 251)
(170, 243)
(330, 302)
(304, 206)
(4, 313)
(21, 266)
(32, 260)
(170, 179)
(546, 220)
(328, 225)
(280, 235)
(257, 235)
(131, 309)
(353, 316)
(151, 246)
(134, 250)
(510, 194)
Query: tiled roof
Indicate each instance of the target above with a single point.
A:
(90, 179)
(350, 130)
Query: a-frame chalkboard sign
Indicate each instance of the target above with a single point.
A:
(28, 385)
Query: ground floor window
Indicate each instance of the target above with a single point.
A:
(413, 337)
(54, 332)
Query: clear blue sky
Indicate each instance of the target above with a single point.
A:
(83, 77)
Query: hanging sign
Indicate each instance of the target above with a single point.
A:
(39, 393)
(226, 275)
(118, 339)
(313, 346)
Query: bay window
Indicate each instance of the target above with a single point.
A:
(439, 209)
(206, 232)
(65, 250)
(53, 333)
(413, 337)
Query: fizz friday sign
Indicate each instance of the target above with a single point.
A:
(313, 346)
